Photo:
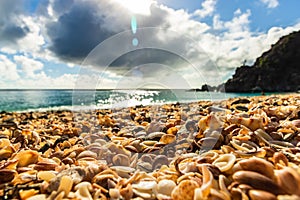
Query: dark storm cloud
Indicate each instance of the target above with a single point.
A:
(58, 7)
(11, 32)
(10, 28)
(82, 25)
(77, 32)
(148, 55)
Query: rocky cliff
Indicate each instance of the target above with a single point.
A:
(277, 70)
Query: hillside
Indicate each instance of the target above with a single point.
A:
(277, 70)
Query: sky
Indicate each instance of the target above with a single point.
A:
(116, 44)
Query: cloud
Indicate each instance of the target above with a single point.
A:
(28, 65)
(42, 80)
(239, 23)
(208, 8)
(77, 32)
(11, 28)
(85, 24)
(39, 81)
(8, 69)
(24, 34)
(270, 3)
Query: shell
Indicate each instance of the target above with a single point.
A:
(127, 192)
(288, 197)
(121, 160)
(216, 194)
(37, 197)
(26, 158)
(25, 194)
(7, 175)
(223, 187)
(144, 166)
(265, 137)
(83, 191)
(289, 180)
(114, 193)
(225, 162)
(46, 175)
(159, 161)
(46, 164)
(66, 184)
(185, 190)
(252, 122)
(123, 171)
(4, 143)
(167, 139)
(165, 187)
(280, 158)
(5, 154)
(246, 146)
(145, 189)
(258, 165)
(212, 122)
(77, 174)
(207, 182)
(257, 181)
(260, 194)
(155, 135)
(85, 154)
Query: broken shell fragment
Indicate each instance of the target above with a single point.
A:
(83, 190)
(184, 190)
(225, 162)
(121, 160)
(167, 138)
(25, 194)
(145, 189)
(257, 181)
(258, 165)
(66, 184)
(37, 197)
(289, 180)
(26, 158)
(7, 175)
(260, 194)
(46, 175)
(165, 187)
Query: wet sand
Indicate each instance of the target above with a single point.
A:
(235, 149)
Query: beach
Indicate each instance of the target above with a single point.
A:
(239, 148)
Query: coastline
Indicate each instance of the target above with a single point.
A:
(43, 100)
(141, 151)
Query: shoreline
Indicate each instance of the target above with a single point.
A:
(153, 151)
(116, 105)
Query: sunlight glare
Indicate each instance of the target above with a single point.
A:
(137, 6)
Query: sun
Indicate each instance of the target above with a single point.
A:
(137, 6)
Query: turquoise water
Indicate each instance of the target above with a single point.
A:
(31, 100)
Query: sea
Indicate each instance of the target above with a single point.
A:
(44, 100)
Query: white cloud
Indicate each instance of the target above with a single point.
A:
(137, 6)
(8, 69)
(239, 23)
(29, 66)
(270, 3)
(42, 81)
(32, 42)
(208, 8)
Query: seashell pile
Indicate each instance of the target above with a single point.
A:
(240, 148)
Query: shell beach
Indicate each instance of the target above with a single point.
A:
(240, 148)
